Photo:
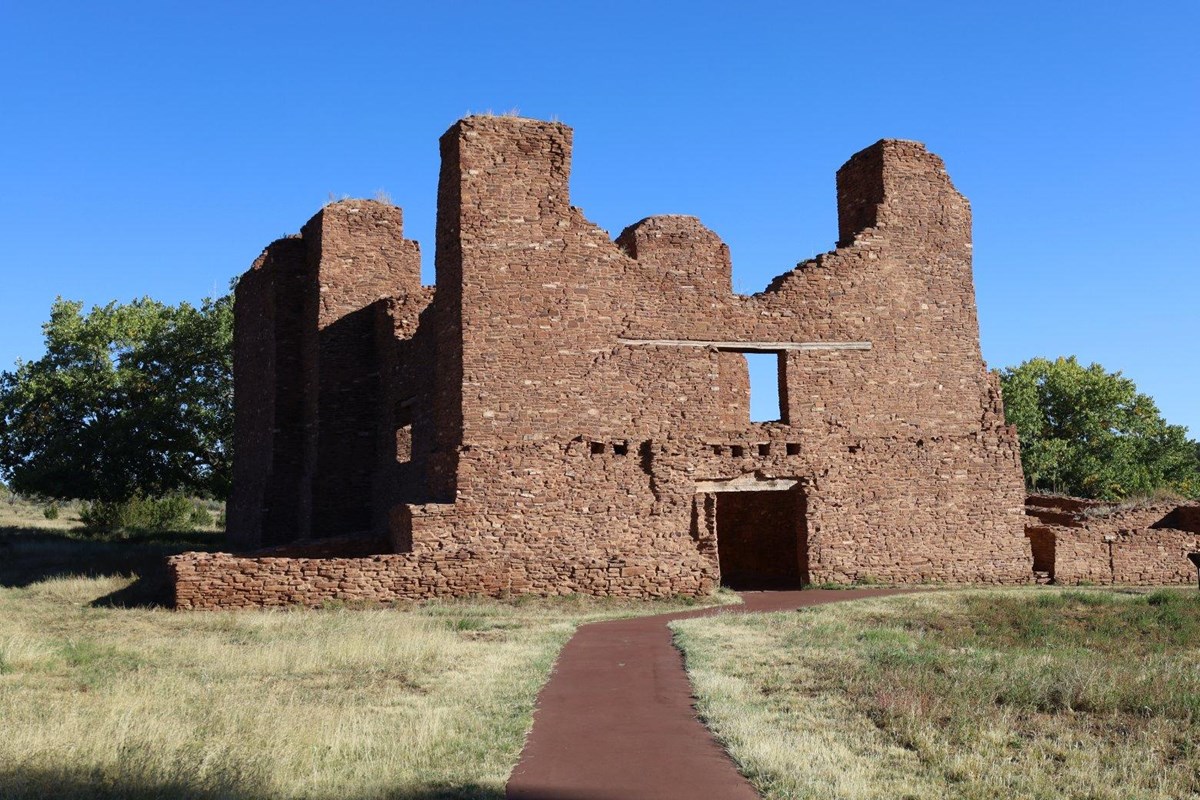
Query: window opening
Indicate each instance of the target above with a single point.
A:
(402, 416)
(766, 373)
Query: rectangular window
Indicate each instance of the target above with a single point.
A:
(766, 383)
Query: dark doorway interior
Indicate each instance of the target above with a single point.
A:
(762, 539)
(1041, 542)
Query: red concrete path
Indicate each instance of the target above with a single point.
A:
(615, 721)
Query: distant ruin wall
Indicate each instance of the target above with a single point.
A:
(1122, 547)
(268, 397)
(924, 510)
(219, 580)
(405, 416)
(358, 255)
(1099, 543)
(253, 347)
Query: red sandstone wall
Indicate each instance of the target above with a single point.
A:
(270, 499)
(405, 415)
(254, 400)
(287, 513)
(565, 460)
(935, 509)
(307, 389)
(1101, 544)
(544, 295)
(358, 254)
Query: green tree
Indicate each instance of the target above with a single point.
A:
(1090, 433)
(129, 400)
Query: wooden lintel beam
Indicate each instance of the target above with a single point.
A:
(747, 347)
(746, 485)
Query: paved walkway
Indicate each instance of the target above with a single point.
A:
(615, 721)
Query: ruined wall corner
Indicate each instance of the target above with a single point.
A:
(898, 184)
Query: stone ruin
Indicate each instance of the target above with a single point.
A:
(1077, 541)
(564, 412)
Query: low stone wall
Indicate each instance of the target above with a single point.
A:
(1097, 543)
(222, 580)
(1075, 541)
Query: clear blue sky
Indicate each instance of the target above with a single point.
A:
(155, 148)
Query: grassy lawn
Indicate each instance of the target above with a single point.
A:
(432, 700)
(1033, 693)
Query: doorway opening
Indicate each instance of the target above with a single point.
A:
(1041, 543)
(762, 539)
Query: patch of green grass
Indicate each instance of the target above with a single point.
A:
(971, 694)
(93, 663)
(467, 624)
(1097, 620)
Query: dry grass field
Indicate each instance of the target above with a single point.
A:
(103, 701)
(17, 513)
(1028, 693)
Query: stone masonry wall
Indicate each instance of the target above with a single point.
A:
(307, 388)
(254, 353)
(1100, 543)
(405, 414)
(547, 299)
(267, 422)
(358, 255)
(565, 411)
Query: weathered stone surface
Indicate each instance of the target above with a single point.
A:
(531, 423)
(1086, 541)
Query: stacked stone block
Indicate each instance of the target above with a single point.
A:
(307, 374)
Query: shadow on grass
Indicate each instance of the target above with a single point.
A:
(31, 555)
(31, 784)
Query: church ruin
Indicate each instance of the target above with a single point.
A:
(564, 412)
